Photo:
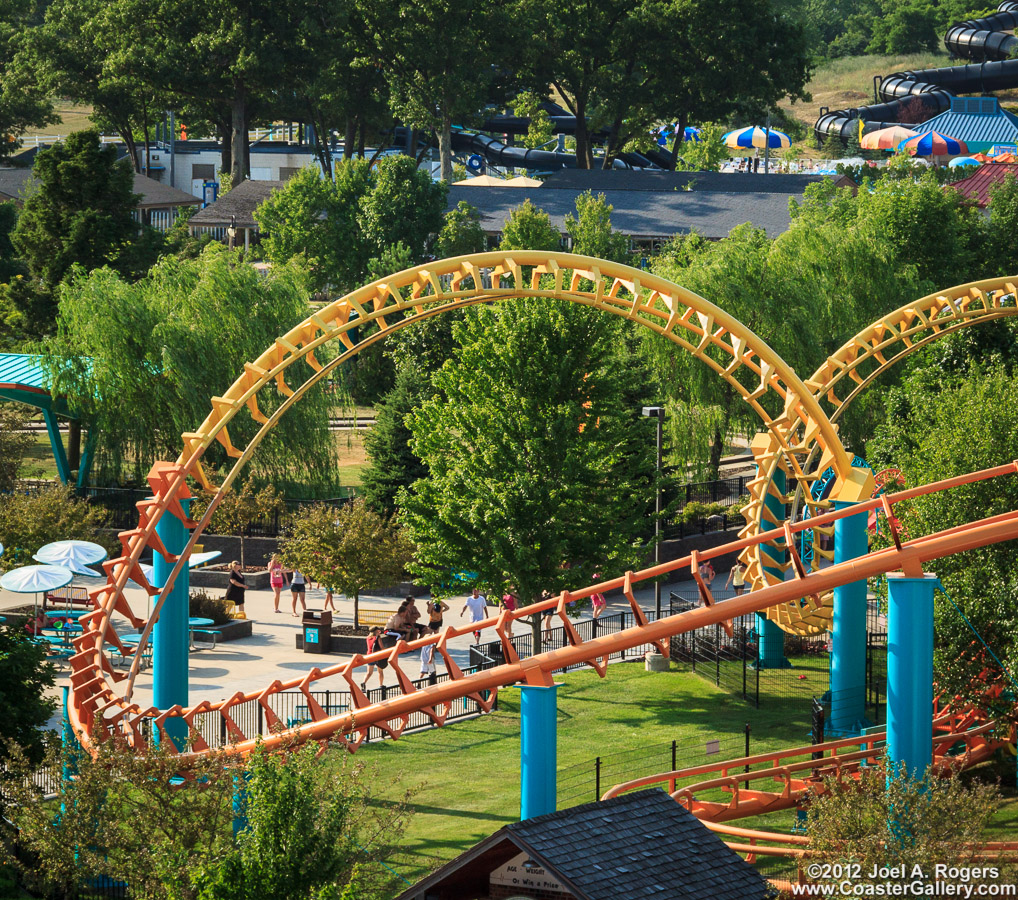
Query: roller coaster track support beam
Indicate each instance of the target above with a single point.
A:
(169, 636)
(771, 638)
(910, 672)
(848, 638)
(538, 749)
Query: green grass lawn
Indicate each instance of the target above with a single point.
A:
(466, 775)
(38, 462)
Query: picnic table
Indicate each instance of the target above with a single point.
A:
(199, 625)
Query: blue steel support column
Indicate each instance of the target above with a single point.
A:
(56, 442)
(772, 639)
(910, 672)
(848, 631)
(538, 749)
(169, 636)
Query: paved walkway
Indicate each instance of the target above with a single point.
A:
(270, 653)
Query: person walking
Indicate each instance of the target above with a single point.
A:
(478, 606)
(373, 644)
(277, 580)
(235, 591)
(707, 572)
(298, 585)
(546, 614)
(737, 578)
(428, 669)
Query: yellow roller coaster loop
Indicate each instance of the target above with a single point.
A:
(787, 408)
(850, 370)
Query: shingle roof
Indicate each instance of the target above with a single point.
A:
(640, 214)
(18, 183)
(241, 202)
(725, 182)
(639, 846)
(977, 186)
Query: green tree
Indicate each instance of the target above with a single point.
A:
(339, 228)
(24, 102)
(29, 520)
(537, 469)
(908, 27)
(433, 82)
(81, 212)
(954, 413)
(14, 444)
(879, 821)
(403, 205)
(25, 676)
(462, 233)
(529, 228)
(298, 843)
(541, 130)
(240, 506)
(391, 463)
(706, 154)
(347, 550)
(157, 351)
(317, 219)
(1002, 241)
(130, 817)
(591, 230)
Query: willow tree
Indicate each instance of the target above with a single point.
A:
(141, 361)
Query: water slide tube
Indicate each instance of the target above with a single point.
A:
(986, 40)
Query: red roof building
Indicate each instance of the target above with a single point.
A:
(977, 186)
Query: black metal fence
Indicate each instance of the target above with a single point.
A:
(120, 506)
(732, 661)
(587, 781)
(721, 497)
(491, 654)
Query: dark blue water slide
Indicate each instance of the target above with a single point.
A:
(931, 90)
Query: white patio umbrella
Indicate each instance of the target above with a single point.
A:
(74, 555)
(199, 559)
(36, 580)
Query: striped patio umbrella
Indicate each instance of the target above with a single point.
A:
(886, 138)
(691, 133)
(933, 143)
(747, 138)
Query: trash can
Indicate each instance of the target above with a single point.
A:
(317, 630)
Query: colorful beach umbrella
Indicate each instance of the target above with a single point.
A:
(747, 138)
(886, 138)
(933, 143)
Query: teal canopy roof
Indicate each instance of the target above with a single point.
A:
(978, 121)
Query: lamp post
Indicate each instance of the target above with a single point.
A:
(657, 412)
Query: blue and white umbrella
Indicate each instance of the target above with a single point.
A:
(748, 138)
(36, 580)
(74, 555)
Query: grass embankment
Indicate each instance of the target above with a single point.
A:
(848, 82)
(467, 774)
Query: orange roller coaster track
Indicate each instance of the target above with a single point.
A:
(790, 410)
(109, 714)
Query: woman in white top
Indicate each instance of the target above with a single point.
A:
(297, 585)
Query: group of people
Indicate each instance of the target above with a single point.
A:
(405, 624)
(279, 577)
